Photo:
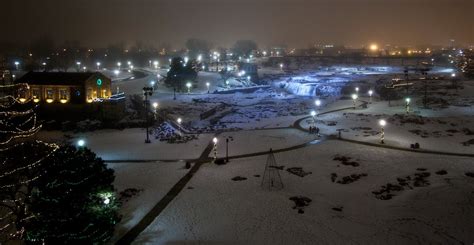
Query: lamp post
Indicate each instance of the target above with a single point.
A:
(81, 143)
(188, 85)
(147, 91)
(155, 107)
(370, 96)
(354, 98)
(119, 64)
(179, 120)
(155, 63)
(214, 140)
(98, 66)
(313, 114)
(227, 83)
(407, 105)
(44, 65)
(17, 63)
(382, 132)
(357, 90)
(207, 85)
(78, 65)
(281, 66)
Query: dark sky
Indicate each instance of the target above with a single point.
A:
(297, 23)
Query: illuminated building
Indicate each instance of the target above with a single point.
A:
(66, 87)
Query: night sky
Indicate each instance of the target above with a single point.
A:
(297, 23)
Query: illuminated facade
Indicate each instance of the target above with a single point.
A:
(65, 87)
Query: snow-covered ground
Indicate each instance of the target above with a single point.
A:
(151, 180)
(129, 144)
(219, 210)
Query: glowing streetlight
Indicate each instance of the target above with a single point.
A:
(17, 63)
(98, 65)
(317, 103)
(227, 83)
(357, 90)
(207, 85)
(382, 124)
(354, 98)
(119, 64)
(188, 85)
(78, 65)
(407, 105)
(155, 107)
(81, 143)
(116, 72)
(313, 114)
(186, 59)
(129, 63)
(199, 58)
(453, 74)
(370, 96)
(214, 140)
(155, 64)
(281, 66)
(374, 47)
(179, 120)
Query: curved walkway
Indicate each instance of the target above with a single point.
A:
(407, 149)
(133, 233)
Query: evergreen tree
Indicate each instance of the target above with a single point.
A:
(180, 73)
(21, 161)
(74, 202)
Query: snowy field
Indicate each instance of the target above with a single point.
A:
(129, 144)
(147, 183)
(218, 210)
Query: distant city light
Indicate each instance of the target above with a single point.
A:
(374, 47)
(179, 120)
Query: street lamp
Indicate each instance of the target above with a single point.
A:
(17, 63)
(147, 91)
(281, 66)
(155, 107)
(382, 124)
(188, 85)
(207, 85)
(407, 104)
(317, 103)
(98, 65)
(179, 120)
(81, 143)
(313, 114)
(354, 98)
(44, 65)
(155, 63)
(227, 83)
(78, 65)
(370, 96)
(214, 140)
(357, 90)
(119, 64)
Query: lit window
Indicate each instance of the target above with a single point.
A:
(49, 93)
